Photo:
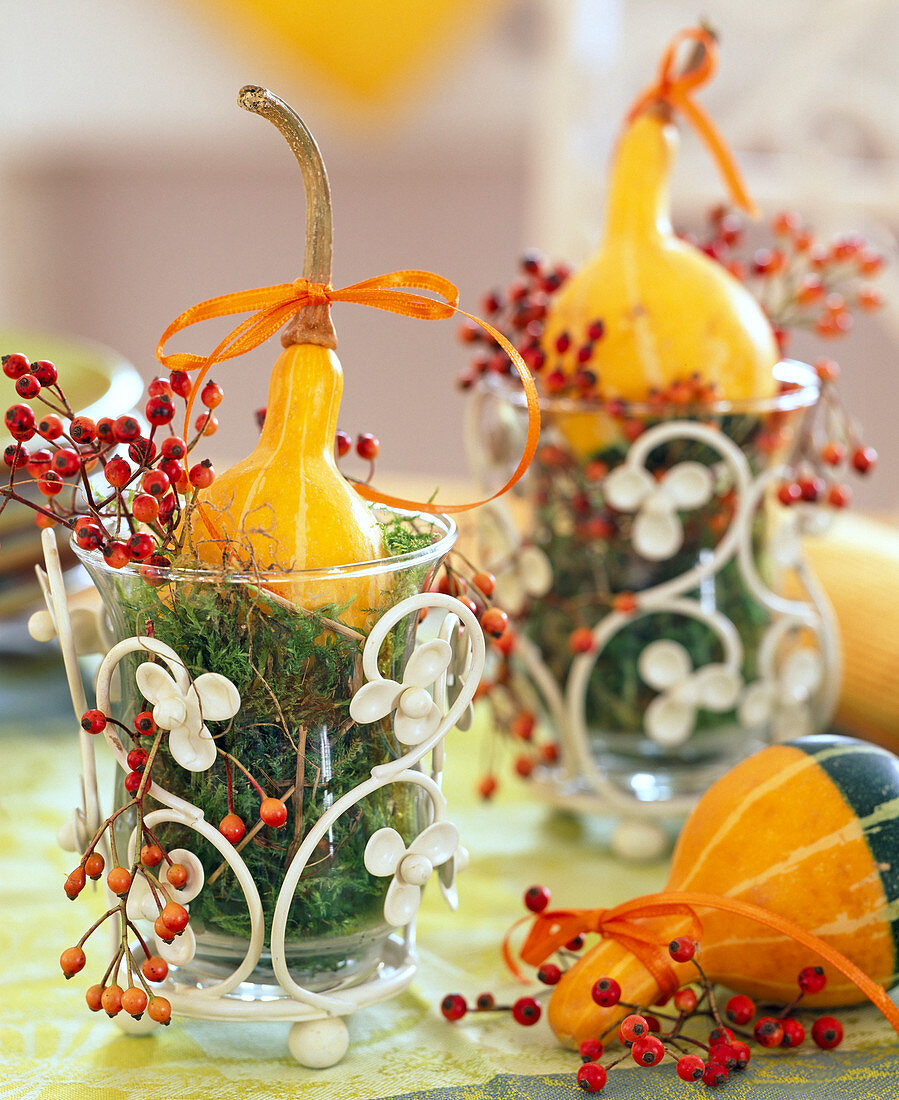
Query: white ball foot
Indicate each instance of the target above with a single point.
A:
(128, 1024)
(638, 840)
(319, 1043)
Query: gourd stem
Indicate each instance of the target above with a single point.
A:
(317, 263)
(312, 325)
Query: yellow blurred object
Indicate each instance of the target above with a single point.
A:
(857, 563)
(371, 56)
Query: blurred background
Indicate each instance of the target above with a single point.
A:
(456, 133)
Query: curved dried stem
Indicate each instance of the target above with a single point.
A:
(311, 325)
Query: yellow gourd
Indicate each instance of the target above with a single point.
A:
(286, 506)
(668, 310)
(806, 830)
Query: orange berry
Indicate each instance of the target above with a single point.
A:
(232, 828)
(151, 855)
(273, 812)
(155, 969)
(119, 880)
(811, 289)
(75, 883)
(869, 298)
(94, 865)
(178, 875)
(134, 1001)
(522, 725)
(174, 917)
(505, 643)
(833, 453)
(869, 262)
(839, 496)
(625, 602)
(162, 930)
(827, 370)
(549, 753)
(524, 766)
(111, 1000)
(94, 998)
(487, 786)
(72, 960)
(494, 622)
(580, 640)
(486, 582)
(159, 1010)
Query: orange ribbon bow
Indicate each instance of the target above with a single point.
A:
(552, 930)
(273, 306)
(676, 88)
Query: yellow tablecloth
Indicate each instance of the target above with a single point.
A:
(52, 1048)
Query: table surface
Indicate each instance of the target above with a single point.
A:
(51, 1047)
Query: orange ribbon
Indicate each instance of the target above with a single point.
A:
(676, 88)
(273, 306)
(552, 930)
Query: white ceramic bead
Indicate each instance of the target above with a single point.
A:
(138, 1028)
(319, 1043)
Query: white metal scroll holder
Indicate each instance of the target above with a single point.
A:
(437, 689)
(799, 660)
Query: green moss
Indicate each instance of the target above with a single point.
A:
(589, 570)
(296, 675)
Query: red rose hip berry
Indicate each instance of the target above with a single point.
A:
(232, 828)
(682, 949)
(606, 992)
(526, 1011)
(591, 1077)
(827, 1032)
(453, 1006)
(536, 898)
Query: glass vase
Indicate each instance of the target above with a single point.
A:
(291, 645)
(666, 625)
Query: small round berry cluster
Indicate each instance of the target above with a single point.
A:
(113, 482)
(145, 875)
(650, 1037)
(800, 281)
(828, 448)
(118, 486)
(475, 588)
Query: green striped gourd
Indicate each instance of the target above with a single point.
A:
(808, 830)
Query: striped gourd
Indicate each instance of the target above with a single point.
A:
(808, 830)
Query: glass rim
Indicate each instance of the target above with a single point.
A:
(802, 376)
(393, 563)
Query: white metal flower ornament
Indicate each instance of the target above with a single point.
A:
(658, 532)
(457, 674)
(666, 666)
(417, 715)
(525, 574)
(386, 854)
(784, 697)
(209, 697)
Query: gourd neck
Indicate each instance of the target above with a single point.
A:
(639, 203)
(312, 324)
(305, 387)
